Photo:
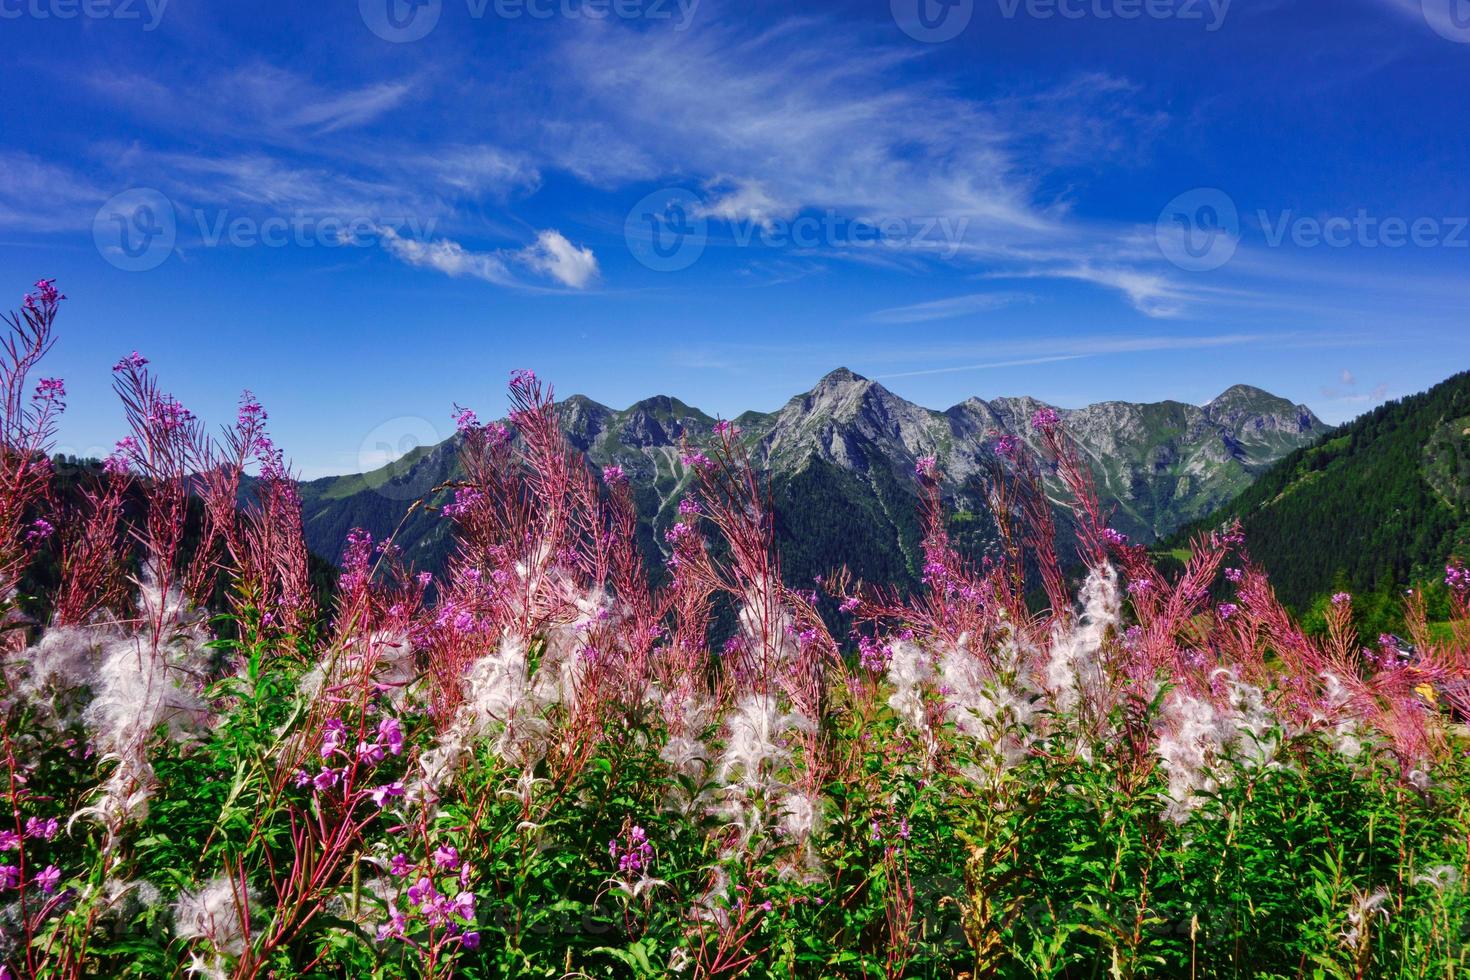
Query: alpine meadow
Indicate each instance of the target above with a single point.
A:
(734, 490)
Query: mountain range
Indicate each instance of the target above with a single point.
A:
(840, 461)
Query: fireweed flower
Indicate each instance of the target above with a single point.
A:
(1007, 446)
(370, 752)
(44, 829)
(399, 866)
(46, 294)
(1228, 609)
(1234, 575)
(394, 927)
(382, 794)
(40, 530)
(133, 362)
(634, 854)
(725, 430)
(50, 390)
(465, 420)
(1341, 599)
(613, 475)
(422, 894)
(1045, 419)
(470, 941)
(390, 733)
(9, 840)
(446, 856)
(9, 877)
(926, 467)
(325, 780)
(49, 879)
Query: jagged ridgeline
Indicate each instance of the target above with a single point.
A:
(1376, 504)
(840, 460)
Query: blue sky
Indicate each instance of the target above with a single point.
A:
(1079, 200)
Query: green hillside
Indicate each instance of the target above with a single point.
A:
(1378, 503)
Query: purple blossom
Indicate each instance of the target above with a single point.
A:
(727, 430)
(926, 468)
(422, 894)
(9, 840)
(634, 854)
(1045, 419)
(465, 419)
(50, 390)
(40, 530)
(49, 879)
(1342, 599)
(49, 297)
(133, 362)
(1007, 446)
(872, 656)
(613, 475)
(390, 733)
(446, 856)
(9, 877)
(44, 829)
(394, 927)
(1228, 609)
(470, 941)
(382, 794)
(1115, 538)
(399, 866)
(251, 413)
(696, 460)
(522, 379)
(325, 780)
(1234, 575)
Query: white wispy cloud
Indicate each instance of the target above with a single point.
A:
(942, 309)
(558, 258)
(449, 257)
(39, 196)
(551, 255)
(1077, 348)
